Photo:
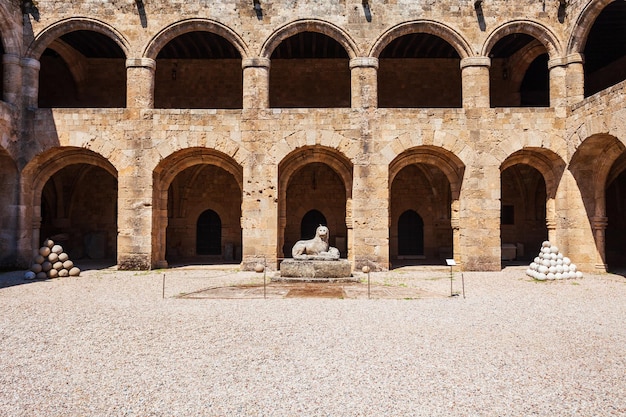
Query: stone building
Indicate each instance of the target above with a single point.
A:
(151, 132)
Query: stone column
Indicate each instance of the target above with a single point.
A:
(12, 78)
(598, 225)
(558, 87)
(30, 82)
(479, 235)
(259, 212)
(370, 216)
(256, 83)
(134, 219)
(475, 79)
(364, 79)
(575, 78)
(140, 83)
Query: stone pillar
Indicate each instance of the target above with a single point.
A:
(259, 212)
(30, 82)
(134, 219)
(475, 80)
(256, 83)
(479, 235)
(558, 87)
(364, 80)
(140, 83)
(575, 78)
(370, 217)
(12, 78)
(598, 225)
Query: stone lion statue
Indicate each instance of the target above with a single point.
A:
(316, 248)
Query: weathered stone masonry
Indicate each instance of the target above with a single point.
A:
(159, 132)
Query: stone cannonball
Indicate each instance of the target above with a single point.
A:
(30, 275)
(53, 257)
(44, 251)
(68, 264)
(74, 272)
(57, 249)
(39, 259)
(63, 257)
(49, 243)
(46, 266)
(36, 268)
(57, 265)
(41, 275)
(64, 273)
(53, 273)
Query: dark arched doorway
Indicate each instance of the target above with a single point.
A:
(310, 223)
(209, 234)
(410, 234)
(616, 214)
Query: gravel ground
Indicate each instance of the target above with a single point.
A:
(108, 344)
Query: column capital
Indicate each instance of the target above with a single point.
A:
(31, 63)
(141, 63)
(255, 63)
(566, 60)
(599, 222)
(476, 61)
(10, 59)
(364, 62)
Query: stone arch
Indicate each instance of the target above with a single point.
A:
(299, 159)
(446, 33)
(436, 175)
(591, 166)
(549, 164)
(327, 139)
(57, 29)
(534, 29)
(36, 174)
(452, 167)
(310, 25)
(583, 25)
(43, 166)
(194, 25)
(163, 176)
(222, 145)
(550, 167)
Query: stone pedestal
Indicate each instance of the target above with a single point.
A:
(315, 270)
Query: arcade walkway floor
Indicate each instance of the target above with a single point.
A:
(214, 341)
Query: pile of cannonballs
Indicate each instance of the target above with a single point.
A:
(551, 265)
(52, 262)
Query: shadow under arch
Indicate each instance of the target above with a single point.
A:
(36, 175)
(528, 27)
(438, 29)
(424, 159)
(194, 25)
(9, 214)
(300, 159)
(538, 217)
(310, 25)
(164, 175)
(591, 166)
(72, 24)
(584, 22)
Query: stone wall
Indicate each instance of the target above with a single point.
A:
(243, 116)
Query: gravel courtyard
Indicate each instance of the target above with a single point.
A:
(111, 343)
